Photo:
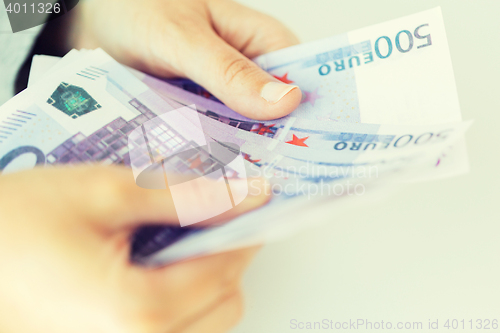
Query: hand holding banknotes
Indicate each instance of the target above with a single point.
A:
(208, 41)
(379, 106)
(65, 259)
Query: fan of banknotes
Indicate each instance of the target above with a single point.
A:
(379, 106)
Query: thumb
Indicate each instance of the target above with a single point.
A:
(107, 197)
(237, 81)
(202, 201)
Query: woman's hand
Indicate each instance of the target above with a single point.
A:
(207, 41)
(64, 258)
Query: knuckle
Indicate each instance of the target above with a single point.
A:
(237, 306)
(104, 188)
(146, 320)
(236, 68)
(233, 270)
(153, 323)
(281, 41)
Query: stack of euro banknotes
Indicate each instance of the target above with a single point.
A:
(379, 106)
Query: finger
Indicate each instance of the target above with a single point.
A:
(206, 202)
(249, 31)
(221, 318)
(195, 285)
(235, 79)
(199, 201)
(107, 196)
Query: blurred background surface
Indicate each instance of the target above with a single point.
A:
(425, 251)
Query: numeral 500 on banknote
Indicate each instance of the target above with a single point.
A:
(403, 42)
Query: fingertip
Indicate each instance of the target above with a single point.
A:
(275, 100)
(285, 105)
(258, 186)
(258, 194)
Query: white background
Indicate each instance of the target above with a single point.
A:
(426, 251)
